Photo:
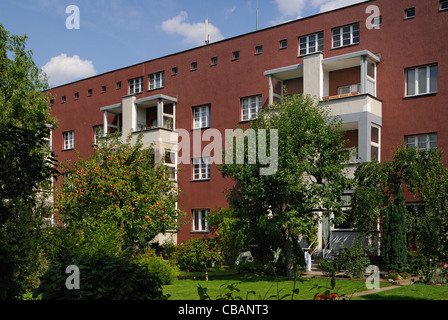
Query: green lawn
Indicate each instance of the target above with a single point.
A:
(412, 292)
(264, 287)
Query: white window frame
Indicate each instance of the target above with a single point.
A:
(283, 44)
(421, 138)
(69, 140)
(98, 135)
(407, 11)
(250, 106)
(340, 30)
(307, 41)
(214, 61)
(136, 85)
(258, 50)
(200, 223)
(351, 88)
(172, 164)
(156, 80)
(201, 117)
(376, 144)
(443, 3)
(201, 168)
(417, 80)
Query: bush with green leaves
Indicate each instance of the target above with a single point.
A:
(166, 270)
(353, 260)
(197, 254)
(101, 278)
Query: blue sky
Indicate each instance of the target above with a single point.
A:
(117, 33)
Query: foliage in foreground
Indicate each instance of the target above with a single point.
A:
(119, 190)
(104, 278)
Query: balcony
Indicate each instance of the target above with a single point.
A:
(347, 84)
(153, 116)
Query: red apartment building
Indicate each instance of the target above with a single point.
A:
(386, 77)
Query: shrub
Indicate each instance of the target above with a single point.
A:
(353, 260)
(329, 267)
(197, 254)
(103, 278)
(166, 270)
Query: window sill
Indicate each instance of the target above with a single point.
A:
(71, 149)
(420, 95)
(248, 120)
(205, 231)
(149, 90)
(309, 54)
(199, 180)
(202, 128)
(345, 46)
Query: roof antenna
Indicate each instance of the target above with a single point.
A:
(256, 26)
(207, 34)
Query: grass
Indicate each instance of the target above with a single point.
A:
(416, 291)
(264, 287)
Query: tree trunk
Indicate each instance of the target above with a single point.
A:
(288, 250)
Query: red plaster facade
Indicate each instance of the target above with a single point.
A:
(399, 44)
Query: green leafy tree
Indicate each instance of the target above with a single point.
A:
(310, 172)
(393, 241)
(119, 188)
(423, 174)
(26, 165)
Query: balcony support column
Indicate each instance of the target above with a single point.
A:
(363, 74)
(105, 124)
(160, 113)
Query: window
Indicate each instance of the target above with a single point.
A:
(201, 168)
(312, 43)
(214, 61)
(349, 89)
(200, 222)
(283, 44)
(69, 140)
(421, 142)
(98, 133)
(236, 55)
(174, 71)
(156, 80)
(103, 89)
(118, 86)
(421, 80)
(377, 22)
(250, 107)
(136, 85)
(51, 102)
(76, 95)
(444, 5)
(89, 92)
(345, 36)
(375, 141)
(170, 162)
(259, 50)
(409, 13)
(64, 99)
(201, 116)
(194, 66)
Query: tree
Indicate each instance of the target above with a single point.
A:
(393, 241)
(26, 164)
(119, 188)
(309, 178)
(424, 176)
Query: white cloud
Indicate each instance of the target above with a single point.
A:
(194, 33)
(335, 4)
(63, 69)
(293, 9)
